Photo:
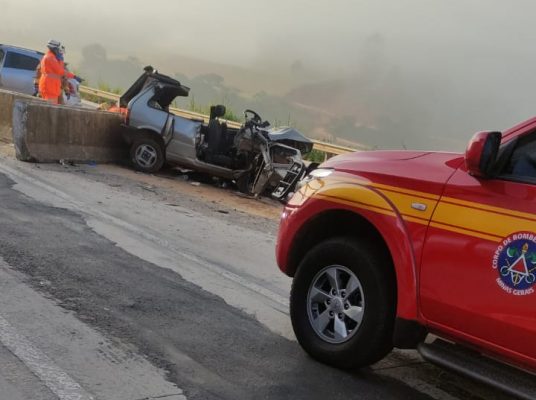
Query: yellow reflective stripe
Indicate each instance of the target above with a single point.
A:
(466, 232)
(396, 189)
(489, 208)
(489, 222)
(357, 194)
(454, 215)
(418, 220)
(363, 196)
(403, 203)
(353, 203)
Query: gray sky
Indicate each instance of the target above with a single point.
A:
(238, 31)
(461, 50)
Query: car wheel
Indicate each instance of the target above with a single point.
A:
(147, 155)
(343, 303)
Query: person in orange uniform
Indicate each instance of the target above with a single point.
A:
(52, 72)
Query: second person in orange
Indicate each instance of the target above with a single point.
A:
(52, 71)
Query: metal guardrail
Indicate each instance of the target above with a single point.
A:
(99, 93)
(331, 148)
(328, 148)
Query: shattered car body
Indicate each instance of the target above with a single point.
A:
(257, 157)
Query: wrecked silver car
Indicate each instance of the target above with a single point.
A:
(257, 157)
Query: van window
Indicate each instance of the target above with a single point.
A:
(20, 61)
(1, 56)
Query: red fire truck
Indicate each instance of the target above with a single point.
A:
(427, 250)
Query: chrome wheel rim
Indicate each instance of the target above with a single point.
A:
(335, 304)
(146, 156)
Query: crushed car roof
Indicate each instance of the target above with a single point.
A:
(287, 133)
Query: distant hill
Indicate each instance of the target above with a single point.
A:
(337, 98)
(379, 111)
(385, 111)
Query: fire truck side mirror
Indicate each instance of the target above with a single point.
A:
(481, 153)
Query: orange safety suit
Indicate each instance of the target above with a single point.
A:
(52, 72)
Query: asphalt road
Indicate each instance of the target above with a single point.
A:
(125, 296)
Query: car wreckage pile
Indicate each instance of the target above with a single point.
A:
(260, 159)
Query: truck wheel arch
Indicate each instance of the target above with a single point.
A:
(390, 235)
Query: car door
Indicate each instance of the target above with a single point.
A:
(478, 271)
(18, 72)
(182, 146)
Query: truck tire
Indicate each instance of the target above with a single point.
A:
(147, 155)
(343, 303)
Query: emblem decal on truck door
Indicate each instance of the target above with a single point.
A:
(515, 261)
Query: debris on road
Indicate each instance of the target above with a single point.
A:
(151, 189)
(67, 163)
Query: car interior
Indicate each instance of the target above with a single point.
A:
(217, 145)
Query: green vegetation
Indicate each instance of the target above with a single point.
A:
(316, 156)
(105, 87)
(230, 115)
(94, 98)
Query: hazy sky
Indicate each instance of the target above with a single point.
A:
(240, 31)
(461, 49)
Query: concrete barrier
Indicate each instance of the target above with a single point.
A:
(7, 100)
(46, 133)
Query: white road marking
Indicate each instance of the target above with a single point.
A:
(105, 368)
(57, 380)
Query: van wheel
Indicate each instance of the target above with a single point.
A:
(147, 155)
(343, 303)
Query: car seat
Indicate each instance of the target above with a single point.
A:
(215, 139)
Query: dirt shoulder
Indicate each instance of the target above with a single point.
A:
(172, 181)
(174, 188)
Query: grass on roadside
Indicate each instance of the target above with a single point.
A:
(315, 156)
(230, 115)
(105, 87)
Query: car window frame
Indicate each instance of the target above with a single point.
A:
(10, 53)
(505, 154)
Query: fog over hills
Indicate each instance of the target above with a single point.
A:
(389, 74)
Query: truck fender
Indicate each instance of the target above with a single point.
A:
(380, 212)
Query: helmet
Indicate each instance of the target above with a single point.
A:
(53, 44)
